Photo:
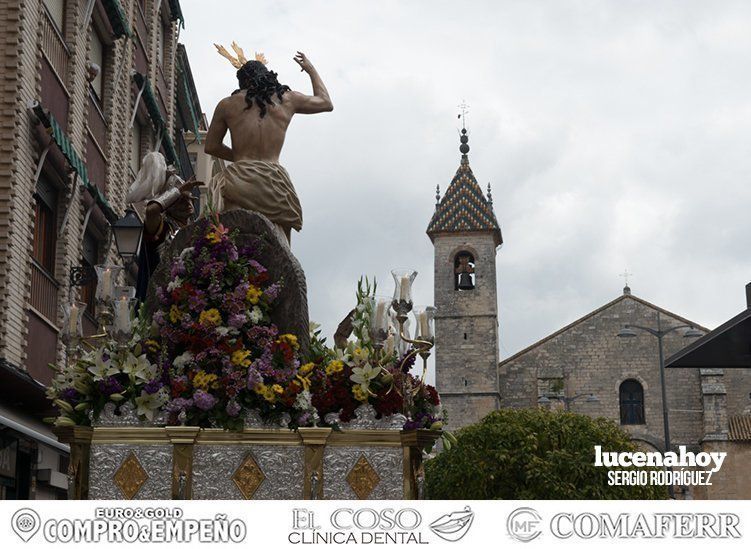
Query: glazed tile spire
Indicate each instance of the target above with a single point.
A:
(464, 207)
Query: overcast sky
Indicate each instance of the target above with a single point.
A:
(615, 135)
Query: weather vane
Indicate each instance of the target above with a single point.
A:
(465, 109)
(625, 275)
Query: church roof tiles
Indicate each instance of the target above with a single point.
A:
(464, 207)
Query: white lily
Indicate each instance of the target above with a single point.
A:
(102, 368)
(147, 403)
(364, 375)
(138, 367)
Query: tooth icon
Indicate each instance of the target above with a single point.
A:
(453, 526)
(25, 523)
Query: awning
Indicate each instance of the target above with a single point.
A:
(728, 346)
(155, 113)
(77, 165)
(31, 428)
(186, 78)
(117, 18)
(176, 14)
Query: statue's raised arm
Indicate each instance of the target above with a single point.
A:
(257, 116)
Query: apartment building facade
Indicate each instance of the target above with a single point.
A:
(73, 139)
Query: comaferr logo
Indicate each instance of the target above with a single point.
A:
(658, 525)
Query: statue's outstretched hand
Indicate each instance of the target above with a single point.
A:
(302, 60)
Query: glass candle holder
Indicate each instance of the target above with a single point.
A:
(72, 316)
(125, 291)
(106, 278)
(425, 318)
(402, 300)
(122, 324)
(379, 320)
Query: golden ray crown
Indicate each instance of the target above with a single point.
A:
(240, 60)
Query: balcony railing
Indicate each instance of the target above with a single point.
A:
(54, 48)
(97, 122)
(44, 291)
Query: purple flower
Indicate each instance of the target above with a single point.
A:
(159, 317)
(257, 267)
(272, 292)
(69, 395)
(233, 408)
(254, 377)
(177, 405)
(109, 386)
(178, 268)
(204, 400)
(197, 302)
(152, 386)
(237, 321)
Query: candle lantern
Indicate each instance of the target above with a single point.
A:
(379, 320)
(425, 318)
(125, 291)
(72, 315)
(122, 327)
(106, 278)
(402, 300)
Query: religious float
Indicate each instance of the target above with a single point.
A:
(218, 388)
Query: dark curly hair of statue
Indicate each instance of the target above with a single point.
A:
(261, 85)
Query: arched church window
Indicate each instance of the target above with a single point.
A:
(631, 397)
(464, 271)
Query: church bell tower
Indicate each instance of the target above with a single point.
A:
(466, 234)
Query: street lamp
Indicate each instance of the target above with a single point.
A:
(544, 400)
(128, 231)
(628, 331)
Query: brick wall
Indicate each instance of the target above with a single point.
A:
(21, 57)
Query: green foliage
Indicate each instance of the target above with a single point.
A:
(532, 454)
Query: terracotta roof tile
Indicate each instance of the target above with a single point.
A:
(740, 428)
(464, 207)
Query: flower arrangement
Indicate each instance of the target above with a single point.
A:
(366, 374)
(210, 355)
(221, 351)
(110, 373)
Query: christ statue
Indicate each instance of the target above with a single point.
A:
(257, 116)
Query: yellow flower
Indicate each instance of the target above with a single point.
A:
(152, 345)
(289, 339)
(202, 380)
(253, 294)
(213, 237)
(240, 358)
(359, 393)
(304, 382)
(265, 391)
(307, 368)
(334, 367)
(277, 388)
(212, 316)
(174, 314)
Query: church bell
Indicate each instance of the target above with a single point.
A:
(465, 282)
